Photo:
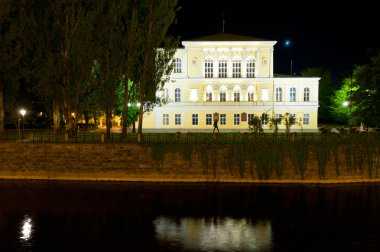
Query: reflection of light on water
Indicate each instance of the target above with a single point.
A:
(26, 229)
(221, 234)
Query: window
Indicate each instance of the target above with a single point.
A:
(177, 65)
(195, 119)
(250, 68)
(251, 93)
(305, 119)
(236, 68)
(236, 119)
(223, 119)
(306, 94)
(264, 94)
(293, 94)
(223, 68)
(177, 95)
(292, 118)
(165, 119)
(264, 119)
(209, 94)
(250, 117)
(209, 68)
(278, 94)
(250, 96)
(222, 94)
(237, 94)
(193, 94)
(177, 119)
(278, 118)
(208, 119)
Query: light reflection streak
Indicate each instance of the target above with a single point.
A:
(26, 229)
(220, 234)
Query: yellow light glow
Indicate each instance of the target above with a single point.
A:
(193, 94)
(73, 114)
(265, 94)
(22, 112)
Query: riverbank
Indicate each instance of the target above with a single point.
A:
(168, 163)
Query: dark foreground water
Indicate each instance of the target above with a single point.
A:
(57, 216)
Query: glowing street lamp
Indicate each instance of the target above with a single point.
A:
(288, 43)
(346, 103)
(22, 112)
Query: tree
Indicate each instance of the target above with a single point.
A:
(60, 36)
(133, 108)
(108, 40)
(274, 122)
(288, 120)
(366, 96)
(157, 62)
(254, 125)
(341, 103)
(325, 91)
(10, 52)
(133, 50)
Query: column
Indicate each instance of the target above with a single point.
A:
(271, 63)
(257, 63)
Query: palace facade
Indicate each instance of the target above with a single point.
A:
(232, 75)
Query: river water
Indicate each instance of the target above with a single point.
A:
(79, 216)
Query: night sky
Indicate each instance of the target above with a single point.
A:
(322, 33)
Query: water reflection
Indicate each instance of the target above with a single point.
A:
(210, 234)
(26, 230)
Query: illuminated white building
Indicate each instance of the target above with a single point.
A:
(232, 75)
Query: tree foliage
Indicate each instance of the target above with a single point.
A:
(361, 92)
(157, 62)
(341, 104)
(80, 49)
(11, 53)
(61, 39)
(366, 97)
(255, 125)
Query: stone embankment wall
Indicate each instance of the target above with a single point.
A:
(132, 162)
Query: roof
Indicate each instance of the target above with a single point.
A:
(227, 37)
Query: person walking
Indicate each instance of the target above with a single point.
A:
(216, 120)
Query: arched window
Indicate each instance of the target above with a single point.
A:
(177, 65)
(177, 95)
(250, 68)
(306, 94)
(236, 68)
(250, 93)
(209, 94)
(222, 93)
(278, 94)
(236, 94)
(292, 94)
(209, 68)
(222, 68)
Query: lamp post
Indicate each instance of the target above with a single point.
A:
(347, 111)
(22, 113)
(287, 43)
